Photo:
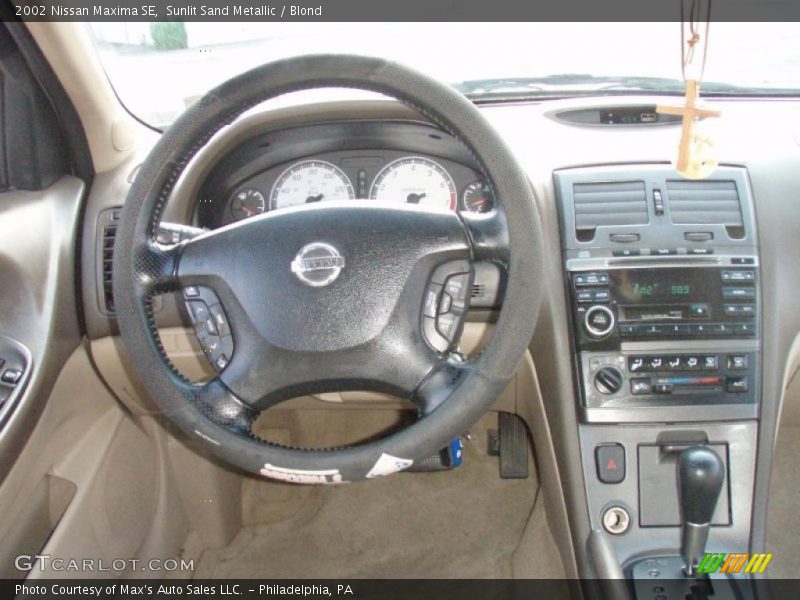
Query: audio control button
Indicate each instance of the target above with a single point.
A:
(598, 321)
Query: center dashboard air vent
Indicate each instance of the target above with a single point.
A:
(608, 203)
(706, 202)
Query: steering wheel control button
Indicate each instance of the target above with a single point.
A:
(453, 267)
(608, 380)
(445, 304)
(598, 321)
(210, 325)
(610, 460)
(432, 336)
(317, 264)
(432, 300)
(219, 320)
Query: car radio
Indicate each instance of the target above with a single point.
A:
(631, 303)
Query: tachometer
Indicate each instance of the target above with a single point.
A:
(415, 180)
(310, 181)
(247, 202)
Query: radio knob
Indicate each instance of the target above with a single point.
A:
(608, 380)
(598, 321)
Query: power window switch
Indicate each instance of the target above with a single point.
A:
(610, 460)
(11, 376)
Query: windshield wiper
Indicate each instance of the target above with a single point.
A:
(571, 83)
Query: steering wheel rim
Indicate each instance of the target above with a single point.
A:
(457, 393)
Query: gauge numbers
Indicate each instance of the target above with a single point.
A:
(247, 202)
(415, 180)
(310, 181)
(478, 197)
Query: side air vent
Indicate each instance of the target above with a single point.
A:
(608, 204)
(706, 203)
(109, 234)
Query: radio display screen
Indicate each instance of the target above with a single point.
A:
(647, 286)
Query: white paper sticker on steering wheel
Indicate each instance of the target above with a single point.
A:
(388, 464)
(330, 476)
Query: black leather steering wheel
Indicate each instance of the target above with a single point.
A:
(331, 297)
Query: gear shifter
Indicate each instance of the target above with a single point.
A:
(700, 476)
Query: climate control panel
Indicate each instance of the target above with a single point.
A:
(631, 378)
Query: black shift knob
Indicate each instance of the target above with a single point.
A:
(700, 476)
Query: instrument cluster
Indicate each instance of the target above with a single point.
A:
(371, 176)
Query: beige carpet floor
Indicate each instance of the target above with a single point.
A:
(783, 518)
(465, 523)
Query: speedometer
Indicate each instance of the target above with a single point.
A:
(415, 180)
(310, 181)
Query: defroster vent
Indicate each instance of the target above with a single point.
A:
(608, 204)
(712, 202)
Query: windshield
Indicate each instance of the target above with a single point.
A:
(158, 69)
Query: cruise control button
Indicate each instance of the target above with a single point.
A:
(456, 286)
(445, 303)
(432, 300)
(434, 338)
(446, 324)
(191, 291)
(444, 271)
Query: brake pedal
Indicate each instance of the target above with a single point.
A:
(510, 443)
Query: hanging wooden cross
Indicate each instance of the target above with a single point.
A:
(694, 151)
(690, 112)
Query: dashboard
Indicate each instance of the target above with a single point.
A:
(657, 330)
(382, 162)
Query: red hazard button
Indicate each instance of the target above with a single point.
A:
(610, 460)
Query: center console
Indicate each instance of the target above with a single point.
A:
(662, 281)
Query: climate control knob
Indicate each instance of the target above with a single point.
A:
(608, 380)
(598, 321)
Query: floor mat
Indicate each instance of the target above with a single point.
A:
(463, 523)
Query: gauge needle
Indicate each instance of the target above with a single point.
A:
(248, 211)
(316, 198)
(478, 202)
(415, 198)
